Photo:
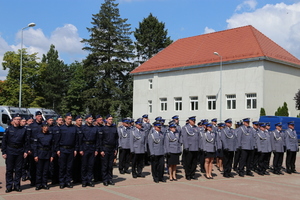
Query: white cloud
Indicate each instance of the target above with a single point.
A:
(280, 22)
(208, 30)
(247, 5)
(65, 39)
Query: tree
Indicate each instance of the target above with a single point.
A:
(151, 37)
(297, 99)
(282, 111)
(30, 71)
(262, 112)
(106, 68)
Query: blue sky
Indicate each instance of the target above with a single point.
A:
(64, 22)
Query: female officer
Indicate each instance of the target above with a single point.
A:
(209, 147)
(43, 155)
(173, 141)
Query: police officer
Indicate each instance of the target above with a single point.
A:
(43, 155)
(219, 147)
(157, 152)
(97, 164)
(173, 142)
(237, 153)
(137, 148)
(228, 141)
(268, 156)
(201, 156)
(34, 130)
(14, 150)
(88, 148)
(209, 147)
(190, 139)
(124, 146)
(67, 147)
(214, 122)
(256, 154)
(146, 127)
(245, 142)
(292, 148)
(76, 173)
(277, 141)
(108, 148)
(175, 118)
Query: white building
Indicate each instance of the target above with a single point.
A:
(184, 78)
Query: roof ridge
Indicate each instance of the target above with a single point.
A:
(256, 39)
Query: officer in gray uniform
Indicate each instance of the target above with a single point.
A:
(175, 118)
(190, 137)
(228, 141)
(268, 126)
(124, 146)
(137, 148)
(214, 122)
(237, 153)
(245, 142)
(263, 147)
(157, 152)
(277, 141)
(254, 162)
(146, 126)
(292, 148)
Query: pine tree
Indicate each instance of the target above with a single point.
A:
(282, 111)
(297, 99)
(151, 37)
(108, 64)
(262, 112)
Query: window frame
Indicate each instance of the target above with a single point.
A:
(194, 103)
(232, 99)
(252, 97)
(163, 104)
(213, 99)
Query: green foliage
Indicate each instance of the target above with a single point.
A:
(282, 111)
(151, 37)
(262, 112)
(297, 99)
(107, 67)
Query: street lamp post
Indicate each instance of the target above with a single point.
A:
(21, 63)
(220, 94)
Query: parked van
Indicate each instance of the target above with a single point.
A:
(284, 120)
(45, 112)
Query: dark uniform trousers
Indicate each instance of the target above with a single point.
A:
(97, 168)
(237, 156)
(124, 159)
(65, 162)
(54, 170)
(268, 158)
(227, 161)
(88, 160)
(32, 168)
(76, 171)
(42, 168)
(262, 167)
(107, 164)
(190, 163)
(25, 168)
(290, 161)
(245, 160)
(137, 163)
(13, 170)
(201, 160)
(277, 161)
(254, 163)
(157, 167)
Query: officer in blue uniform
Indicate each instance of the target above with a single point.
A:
(245, 142)
(157, 152)
(34, 130)
(190, 139)
(97, 164)
(76, 173)
(292, 148)
(263, 147)
(88, 148)
(67, 147)
(138, 148)
(14, 150)
(228, 141)
(43, 155)
(108, 139)
(124, 146)
(277, 141)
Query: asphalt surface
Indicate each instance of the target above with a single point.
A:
(258, 187)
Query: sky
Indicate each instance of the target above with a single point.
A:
(64, 23)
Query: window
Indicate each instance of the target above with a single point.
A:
(231, 101)
(150, 106)
(251, 101)
(211, 102)
(5, 118)
(194, 103)
(178, 103)
(163, 104)
(150, 84)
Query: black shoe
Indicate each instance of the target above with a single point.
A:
(194, 178)
(249, 174)
(281, 173)
(38, 187)
(111, 183)
(8, 190)
(18, 189)
(156, 181)
(206, 176)
(289, 171)
(68, 185)
(260, 173)
(134, 176)
(267, 173)
(141, 176)
(24, 179)
(62, 186)
(105, 183)
(163, 180)
(188, 178)
(226, 176)
(46, 187)
(241, 174)
(294, 171)
(83, 185)
(127, 171)
(91, 184)
(231, 175)
(122, 172)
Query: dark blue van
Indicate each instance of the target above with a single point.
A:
(284, 120)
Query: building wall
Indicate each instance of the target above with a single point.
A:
(281, 83)
(238, 79)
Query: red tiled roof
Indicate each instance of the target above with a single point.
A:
(232, 44)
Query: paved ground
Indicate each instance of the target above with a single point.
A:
(258, 187)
